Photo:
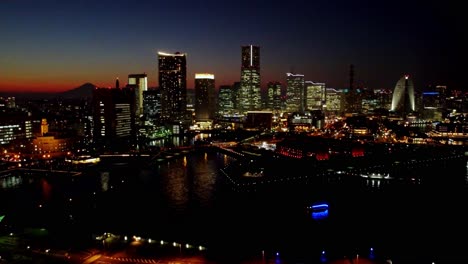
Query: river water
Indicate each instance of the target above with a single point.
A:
(187, 199)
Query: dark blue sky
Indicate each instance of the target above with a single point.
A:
(58, 45)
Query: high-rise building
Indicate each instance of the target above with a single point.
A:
(139, 84)
(294, 92)
(225, 100)
(403, 97)
(250, 94)
(236, 97)
(205, 104)
(112, 115)
(315, 95)
(173, 84)
(191, 102)
(384, 96)
(152, 105)
(274, 96)
(333, 103)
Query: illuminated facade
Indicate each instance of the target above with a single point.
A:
(44, 127)
(315, 95)
(123, 118)
(225, 100)
(173, 84)
(14, 126)
(333, 101)
(403, 96)
(112, 115)
(250, 94)
(49, 146)
(294, 92)
(139, 84)
(205, 104)
(274, 96)
(152, 104)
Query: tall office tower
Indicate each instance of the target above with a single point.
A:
(333, 103)
(205, 104)
(191, 102)
(236, 97)
(173, 84)
(225, 100)
(315, 95)
(139, 84)
(117, 83)
(113, 119)
(152, 105)
(250, 94)
(294, 92)
(274, 96)
(403, 97)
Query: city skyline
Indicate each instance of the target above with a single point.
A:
(52, 46)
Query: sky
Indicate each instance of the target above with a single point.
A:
(50, 46)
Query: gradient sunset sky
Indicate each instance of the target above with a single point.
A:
(59, 45)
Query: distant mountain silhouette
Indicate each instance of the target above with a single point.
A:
(85, 90)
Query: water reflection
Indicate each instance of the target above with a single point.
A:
(11, 181)
(466, 174)
(46, 189)
(104, 176)
(202, 136)
(374, 183)
(205, 179)
(191, 177)
(184, 197)
(176, 184)
(173, 141)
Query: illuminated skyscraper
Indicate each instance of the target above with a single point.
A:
(113, 119)
(236, 97)
(173, 84)
(152, 105)
(315, 95)
(225, 100)
(139, 84)
(204, 97)
(403, 96)
(274, 96)
(294, 92)
(333, 103)
(250, 94)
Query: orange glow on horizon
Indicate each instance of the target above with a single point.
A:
(15, 85)
(41, 87)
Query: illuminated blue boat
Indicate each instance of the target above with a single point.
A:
(318, 211)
